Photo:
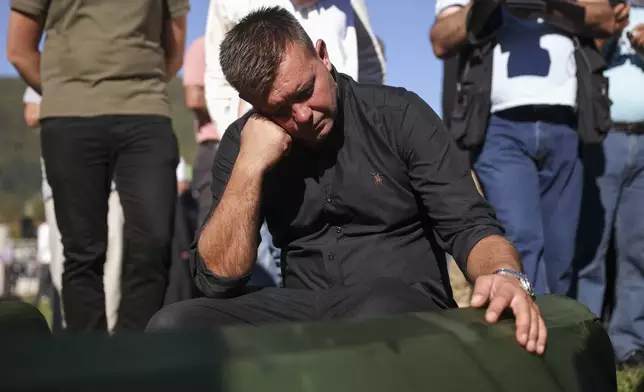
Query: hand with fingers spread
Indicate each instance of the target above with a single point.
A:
(509, 289)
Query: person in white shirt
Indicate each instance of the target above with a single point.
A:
(113, 259)
(527, 161)
(334, 21)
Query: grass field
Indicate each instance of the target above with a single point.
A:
(630, 380)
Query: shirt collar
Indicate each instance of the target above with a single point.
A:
(341, 92)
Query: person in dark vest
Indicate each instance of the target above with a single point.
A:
(448, 94)
(526, 82)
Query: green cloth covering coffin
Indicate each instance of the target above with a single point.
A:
(20, 318)
(451, 351)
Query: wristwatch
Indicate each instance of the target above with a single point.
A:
(523, 280)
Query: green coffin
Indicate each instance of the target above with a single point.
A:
(451, 351)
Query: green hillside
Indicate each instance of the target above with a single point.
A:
(20, 148)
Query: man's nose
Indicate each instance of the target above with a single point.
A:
(302, 113)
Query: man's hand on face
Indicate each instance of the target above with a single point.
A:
(263, 144)
(503, 291)
(636, 36)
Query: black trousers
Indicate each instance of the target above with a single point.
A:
(181, 286)
(275, 305)
(82, 155)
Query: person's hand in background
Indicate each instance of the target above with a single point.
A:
(636, 36)
(622, 12)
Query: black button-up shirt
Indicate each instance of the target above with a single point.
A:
(385, 196)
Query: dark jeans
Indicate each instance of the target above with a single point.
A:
(614, 199)
(82, 155)
(181, 286)
(275, 305)
(531, 173)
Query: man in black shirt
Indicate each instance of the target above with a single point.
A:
(361, 188)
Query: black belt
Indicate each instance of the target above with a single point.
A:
(555, 114)
(632, 128)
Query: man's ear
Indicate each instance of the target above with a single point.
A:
(321, 52)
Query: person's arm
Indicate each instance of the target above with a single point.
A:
(449, 31)
(23, 37)
(228, 241)
(621, 13)
(221, 98)
(32, 115)
(31, 100)
(442, 179)
(464, 222)
(195, 98)
(174, 36)
(174, 45)
(204, 250)
(586, 18)
(193, 81)
(636, 37)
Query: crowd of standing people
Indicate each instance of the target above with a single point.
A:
(540, 107)
(549, 112)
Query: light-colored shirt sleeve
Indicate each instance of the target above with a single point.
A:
(31, 7)
(333, 21)
(221, 98)
(442, 5)
(177, 8)
(350, 43)
(31, 96)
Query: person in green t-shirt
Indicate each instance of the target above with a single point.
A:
(105, 114)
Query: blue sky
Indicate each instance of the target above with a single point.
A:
(403, 25)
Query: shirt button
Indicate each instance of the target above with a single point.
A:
(331, 256)
(338, 230)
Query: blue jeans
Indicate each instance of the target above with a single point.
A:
(530, 172)
(267, 271)
(614, 199)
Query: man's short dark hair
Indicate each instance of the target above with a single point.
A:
(254, 48)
